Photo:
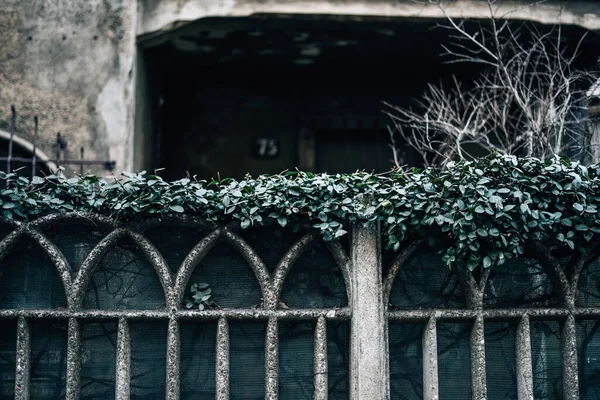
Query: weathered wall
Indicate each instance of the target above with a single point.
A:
(72, 63)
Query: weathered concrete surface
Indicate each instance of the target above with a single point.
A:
(123, 375)
(320, 360)
(272, 360)
(369, 370)
(524, 364)
(73, 360)
(173, 360)
(23, 357)
(568, 344)
(163, 15)
(430, 361)
(222, 367)
(478, 377)
(72, 63)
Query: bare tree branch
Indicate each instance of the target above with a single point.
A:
(529, 100)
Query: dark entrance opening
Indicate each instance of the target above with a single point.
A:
(231, 96)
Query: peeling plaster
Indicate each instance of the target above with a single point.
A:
(63, 61)
(113, 111)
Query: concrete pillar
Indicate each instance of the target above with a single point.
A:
(369, 371)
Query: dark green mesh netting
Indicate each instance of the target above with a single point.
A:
(148, 360)
(518, 283)
(454, 361)
(546, 360)
(588, 339)
(29, 280)
(588, 293)
(97, 354)
(406, 361)
(8, 344)
(48, 359)
(425, 282)
(500, 360)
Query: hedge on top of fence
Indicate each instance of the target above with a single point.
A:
(476, 213)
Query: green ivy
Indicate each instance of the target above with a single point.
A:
(200, 294)
(476, 213)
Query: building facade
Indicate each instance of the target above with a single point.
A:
(232, 87)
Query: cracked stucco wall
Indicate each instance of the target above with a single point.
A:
(71, 62)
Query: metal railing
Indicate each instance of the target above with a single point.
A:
(60, 147)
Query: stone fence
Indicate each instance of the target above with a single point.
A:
(94, 311)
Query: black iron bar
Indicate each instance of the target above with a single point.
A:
(67, 161)
(81, 154)
(83, 162)
(35, 139)
(19, 159)
(61, 146)
(13, 124)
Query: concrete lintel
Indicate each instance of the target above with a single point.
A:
(158, 16)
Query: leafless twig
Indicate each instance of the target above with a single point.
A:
(529, 100)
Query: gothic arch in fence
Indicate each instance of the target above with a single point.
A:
(123, 302)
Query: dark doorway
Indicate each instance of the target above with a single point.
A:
(310, 89)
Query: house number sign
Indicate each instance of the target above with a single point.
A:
(265, 147)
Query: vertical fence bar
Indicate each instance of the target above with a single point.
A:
(369, 375)
(35, 139)
(222, 373)
(81, 157)
(73, 360)
(272, 361)
(59, 148)
(122, 387)
(430, 361)
(173, 359)
(320, 360)
(569, 359)
(13, 123)
(478, 380)
(22, 360)
(524, 366)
